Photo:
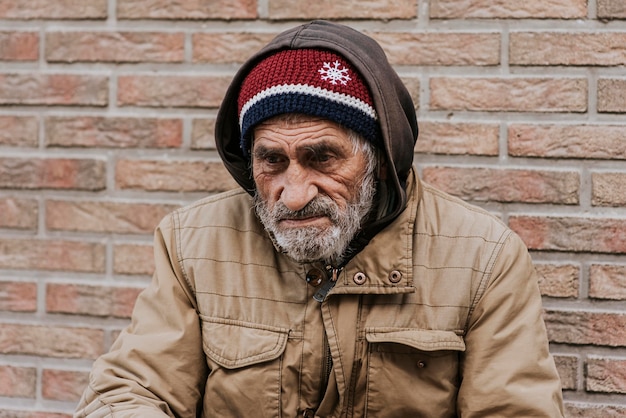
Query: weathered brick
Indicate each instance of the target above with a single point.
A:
(567, 366)
(611, 94)
(586, 327)
(446, 49)
(174, 176)
(171, 91)
(608, 189)
(12, 413)
(611, 9)
(50, 341)
(341, 9)
(570, 233)
(90, 300)
(133, 259)
(567, 141)
(18, 381)
(53, 9)
(607, 375)
(226, 48)
(412, 84)
(607, 281)
(53, 89)
(458, 138)
(113, 132)
(594, 410)
(19, 46)
(560, 281)
(52, 173)
(506, 185)
(509, 95)
(21, 131)
(507, 9)
(18, 296)
(187, 9)
(108, 217)
(203, 134)
(63, 385)
(18, 213)
(556, 48)
(52, 255)
(115, 47)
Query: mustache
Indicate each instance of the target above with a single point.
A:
(320, 206)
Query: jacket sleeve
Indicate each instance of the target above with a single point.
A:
(156, 367)
(507, 370)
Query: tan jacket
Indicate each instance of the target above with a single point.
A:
(439, 316)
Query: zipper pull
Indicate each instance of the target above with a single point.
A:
(328, 284)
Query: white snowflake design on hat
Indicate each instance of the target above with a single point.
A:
(334, 72)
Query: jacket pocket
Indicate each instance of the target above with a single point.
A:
(412, 372)
(245, 363)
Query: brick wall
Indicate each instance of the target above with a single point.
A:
(107, 110)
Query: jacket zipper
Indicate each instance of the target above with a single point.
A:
(329, 283)
(327, 367)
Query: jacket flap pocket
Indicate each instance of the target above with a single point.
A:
(421, 339)
(233, 344)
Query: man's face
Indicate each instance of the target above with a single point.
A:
(313, 188)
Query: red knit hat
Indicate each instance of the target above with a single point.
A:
(309, 81)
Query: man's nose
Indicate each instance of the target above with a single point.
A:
(298, 190)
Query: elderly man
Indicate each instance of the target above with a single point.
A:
(334, 283)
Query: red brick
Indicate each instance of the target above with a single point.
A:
(569, 233)
(21, 131)
(556, 48)
(443, 49)
(607, 375)
(458, 138)
(588, 328)
(115, 47)
(593, 410)
(227, 48)
(611, 93)
(491, 184)
(203, 134)
(113, 132)
(607, 281)
(18, 296)
(51, 255)
(53, 9)
(108, 217)
(51, 341)
(509, 95)
(608, 189)
(173, 176)
(53, 89)
(171, 91)
(133, 259)
(19, 46)
(90, 300)
(18, 381)
(18, 213)
(187, 9)
(11, 413)
(567, 141)
(559, 281)
(508, 9)
(52, 173)
(567, 366)
(341, 9)
(611, 9)
(63, 385)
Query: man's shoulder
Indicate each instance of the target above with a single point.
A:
(232, 207)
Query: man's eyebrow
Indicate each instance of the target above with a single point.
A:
(324, 147)
(261, 151)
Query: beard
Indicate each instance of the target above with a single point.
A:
(315, 243)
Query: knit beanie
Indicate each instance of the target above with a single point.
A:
(308, 81)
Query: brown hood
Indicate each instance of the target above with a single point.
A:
(392, 101)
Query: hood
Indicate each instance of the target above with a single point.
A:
(392, 102)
